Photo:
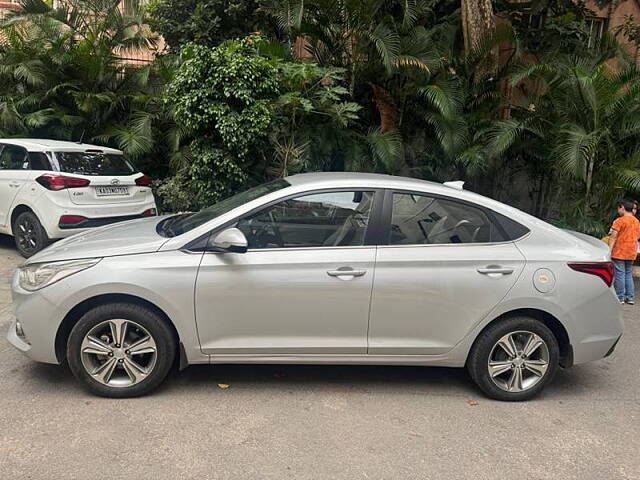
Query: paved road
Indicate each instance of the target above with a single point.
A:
(280, 422)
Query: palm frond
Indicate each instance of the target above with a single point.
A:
(575, 149)
(445, 96)
(410, 13)
(387, 43)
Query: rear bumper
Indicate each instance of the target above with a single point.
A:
(613, 347)
(96, 216)
(596, 327)
(100, 221)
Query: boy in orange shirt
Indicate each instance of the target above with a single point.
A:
(623, 242)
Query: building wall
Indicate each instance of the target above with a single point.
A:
(615, 15)
(6, 6)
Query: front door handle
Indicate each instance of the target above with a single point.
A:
(345, 273)
(495, 269)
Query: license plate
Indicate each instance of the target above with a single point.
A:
(106, 191)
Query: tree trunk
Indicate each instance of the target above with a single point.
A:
(387, 108)
(589, 182)
(478, 21)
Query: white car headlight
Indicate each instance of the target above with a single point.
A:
(39, 275)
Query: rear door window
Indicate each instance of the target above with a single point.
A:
(422, 219)
(13, 158)
(94, 163)
(39, 161)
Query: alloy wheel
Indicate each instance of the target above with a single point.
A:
(118, 353)
(27, 234)
(518, 361)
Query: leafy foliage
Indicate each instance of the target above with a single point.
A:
(254, 115)
(223, 98)
(251, 90)
(62, 76)
(205, 22)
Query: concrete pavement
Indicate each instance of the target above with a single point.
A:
(318, 422)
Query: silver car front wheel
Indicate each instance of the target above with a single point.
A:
(119, 353)
(121, 349)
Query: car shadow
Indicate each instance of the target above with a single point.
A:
(334, 379)
(6, 241)
(365, 378)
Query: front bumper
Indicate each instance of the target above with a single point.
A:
(16, 341)
(40, 318)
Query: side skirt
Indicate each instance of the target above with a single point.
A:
(433, 360)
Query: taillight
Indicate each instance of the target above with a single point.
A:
(143, 181)
(60, 182)
(149, 212)
(71, 219)
(604, 270)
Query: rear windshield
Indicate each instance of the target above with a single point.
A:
(94, 163)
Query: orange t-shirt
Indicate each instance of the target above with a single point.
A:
(626, 246)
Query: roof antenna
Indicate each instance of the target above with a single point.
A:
(82, 135)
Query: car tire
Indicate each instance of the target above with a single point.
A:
(29, 234)
(503, 364)
(108, 368)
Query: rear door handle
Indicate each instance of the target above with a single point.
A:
(346, 272)
(495, 269)
(15, 184)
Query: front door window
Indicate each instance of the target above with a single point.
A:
(329, 219)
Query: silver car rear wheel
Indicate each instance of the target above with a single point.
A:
(513, 358)
(518, 361)
(118, 353)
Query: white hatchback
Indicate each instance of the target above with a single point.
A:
(52, 189)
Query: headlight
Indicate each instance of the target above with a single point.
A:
(39, 275)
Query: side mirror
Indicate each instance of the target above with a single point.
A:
(230, 240)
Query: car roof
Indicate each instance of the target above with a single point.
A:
(452, 189)
(370, 180)
(45, 145)
(354, 178)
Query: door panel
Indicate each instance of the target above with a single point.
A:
(445, 267)
(284, 301)
(14, 175)
(304, 285)
(426, 298)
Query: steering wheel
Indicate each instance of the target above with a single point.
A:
(276, 230)
(261, 234)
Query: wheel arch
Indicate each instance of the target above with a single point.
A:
(550, 321)
(17, 210)
(74, 315)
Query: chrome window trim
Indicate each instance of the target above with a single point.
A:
(287, 249)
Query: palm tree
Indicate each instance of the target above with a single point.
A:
(62, 74)
(371, 39)
(583, 118)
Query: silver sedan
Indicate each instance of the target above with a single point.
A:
(324, 268)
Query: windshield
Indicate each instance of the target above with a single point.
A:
(179, 224)
(94, 163)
